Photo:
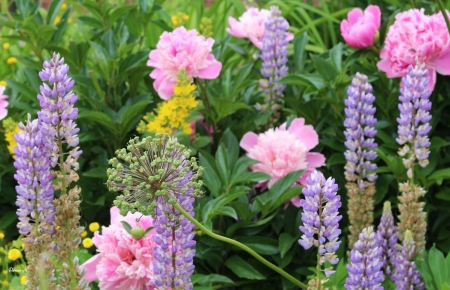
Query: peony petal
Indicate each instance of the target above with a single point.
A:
(442, 63)
(295, 202)
(153, 59)
(364, 35)
(256, 41)
(315, 160)
(304, 133)
(385, 66)
(303, 178)
(432, 74)
(165, 89)
(235, 28)
(115, 212)
(212, 71)
(375, 12)
(354, 15)
(249, 140)
(91, 268)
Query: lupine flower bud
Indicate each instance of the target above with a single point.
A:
(406, 275)
(364, 269)
(321, 218)
(387, 239)
(359, 170)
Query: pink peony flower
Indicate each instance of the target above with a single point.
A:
(123, 262)
(3, 103)
(282, 151)
(413, 37)
(361, 27)
(251, 25)
(177, 50)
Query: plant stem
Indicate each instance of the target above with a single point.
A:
(239, 245)
(444, 13)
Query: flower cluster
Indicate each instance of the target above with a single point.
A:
(173, 115)
(251, 25)
(386, 237)
(154, 176)
(281, 151)
(321, 218)
(274, 54)
(181, 49)
(11, 128)
(179, 19)
(3, 103)
(416, 37)
(361, 28)
(123, 262)
(359, 170)
(406, 275)
(206, 27)
(364, 270)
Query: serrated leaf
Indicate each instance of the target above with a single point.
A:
(243, 269)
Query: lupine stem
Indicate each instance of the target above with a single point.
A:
(240, 245)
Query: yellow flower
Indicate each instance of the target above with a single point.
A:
(2, 235)
(11, 129)
(69, 20)
(87, 243)
(184, 90)
(179, 19)
(23, 280)
(6, 45)
(14, 254)
(206, 27)
(57, 20)
(57, 228)
(83, 234)
(94, 227)
(4, 272)
(3, 83)
(64, 6)
(11, 60)
(5, 283)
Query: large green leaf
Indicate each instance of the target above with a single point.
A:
(243, 269)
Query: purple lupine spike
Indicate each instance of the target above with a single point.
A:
(360, 169)
(58, 113)
(406, 275)
(321, 218)
(387, 239)
(274, 54)
(364, 269)
(413, 123)
(35, 190)
(175, 239)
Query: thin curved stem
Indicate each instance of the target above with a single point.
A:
(240, 245)
(444, 13)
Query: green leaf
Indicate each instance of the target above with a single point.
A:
(109, 42)
(225, 210)
(261, 245)
(288, 195)
(241, 77)
(284, 183)
(243, 269)
(324, 68)
(24, 90)
(98, 172)
(132, 115)
(134, 23)
(126, 226)
(437, 177)
(100, 118)
(53, 11)
(132, 61)
(336, 159)
(336, 56)
(143, 5)
(210, 177)
(253, 176)
(285, 242)
(202, 141)
(211, 278)
(119, 12)
(299, 51)
(7, 219)
(232, 145)
(438, 266)
(240, 167)
(226, 107)
(222, 164)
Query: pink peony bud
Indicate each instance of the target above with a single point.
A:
(360, 30)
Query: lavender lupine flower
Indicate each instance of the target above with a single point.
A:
(406, 275)
(412, 134)
(58, 113)
(35, 190)
(387, 239)
(364, 269)
(321, 218)
(154, 174)
(359, 170)
(413, 125)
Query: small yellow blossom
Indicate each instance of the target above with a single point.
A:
(57, 20)
(206, 27)
(2, 235)
(11, 129)
(23, 280)
(87, 243)
(69, 20)
(3, 83)
(5, 283)
(4, 272)
(179, 19)
(83, 234)
(6, 45)
(14, 254)
(64, 6)
(11, 60)
(57, 228)
(94, 227)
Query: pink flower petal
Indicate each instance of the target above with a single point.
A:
(315, 160)
(91, 268)
(375, 13)
(212, 71)
(305, 134)
(249, 140)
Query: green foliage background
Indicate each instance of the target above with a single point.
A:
(106, 46)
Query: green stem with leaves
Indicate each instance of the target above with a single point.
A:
(444, 13)
(239, 245)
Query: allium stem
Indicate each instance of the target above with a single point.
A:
(239, 245)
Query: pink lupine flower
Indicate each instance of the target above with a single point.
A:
(361, 27)
(177, 50)
(3, 103)
(123, 262)
(282, 151)
(416, 37)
